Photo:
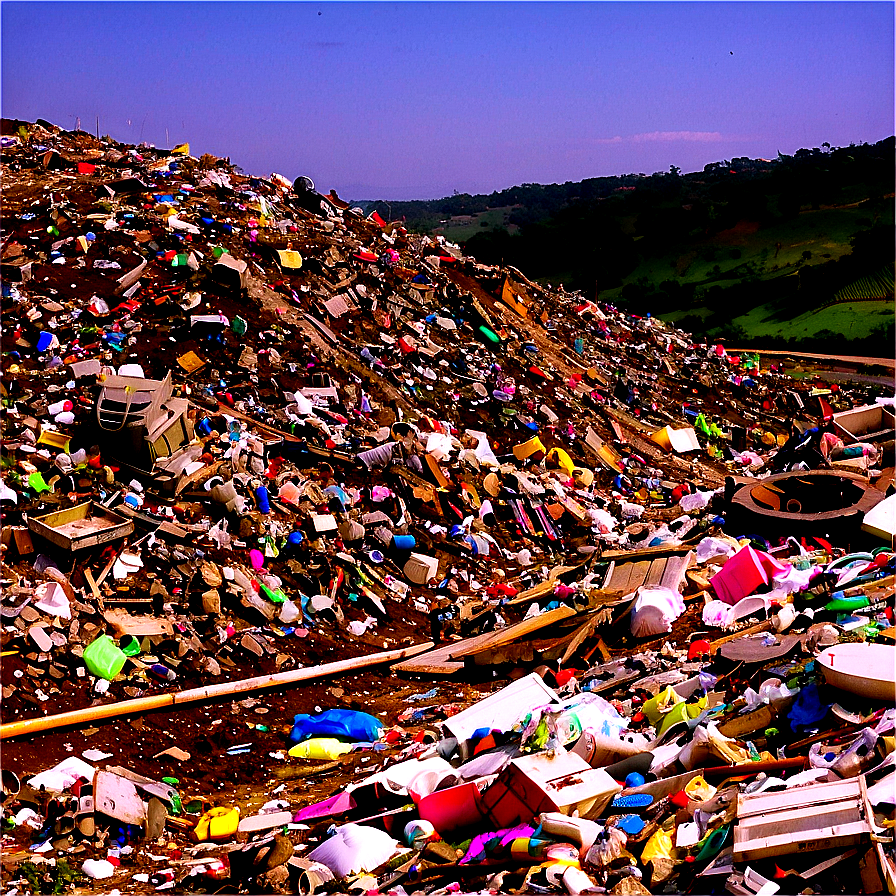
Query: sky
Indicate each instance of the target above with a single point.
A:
(419, 100)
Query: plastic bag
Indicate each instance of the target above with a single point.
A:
(320, 748)
(718, 614)
(656, 707)
(696, 501)
(659, 846)
(808, 710)
(346, 724)
(655, 609)
(354, 848)
(713, 547)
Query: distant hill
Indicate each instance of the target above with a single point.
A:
(775, 251)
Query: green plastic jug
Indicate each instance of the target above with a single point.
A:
(36, 482)
(103, 658)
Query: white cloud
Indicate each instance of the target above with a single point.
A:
(667, 137)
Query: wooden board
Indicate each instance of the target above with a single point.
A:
(629, 577)
(513, 632)
(656, 571)
(82, 526)
(585, 631)
(661, 565)
(660, 550)
(448, 659)
(124, 623)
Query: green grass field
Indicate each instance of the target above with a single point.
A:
(825, 233)
(459, 231)
(855, 320)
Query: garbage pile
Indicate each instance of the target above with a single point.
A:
(402, 573)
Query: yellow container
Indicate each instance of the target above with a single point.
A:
(219, 823)
(527, 449)
(320, 748)
(562, 459)
(55, 440)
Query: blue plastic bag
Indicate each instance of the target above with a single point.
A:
(808, 710)
(346, 724)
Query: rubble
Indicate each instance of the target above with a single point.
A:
(258, 446)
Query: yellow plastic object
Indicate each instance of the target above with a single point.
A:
(562, 459)
(182, 149)
(656, 707)
(659, 846)
(290, 259)
(55, 440)
(219, 823)
(698, 789)
(527, 449)
(320, 748)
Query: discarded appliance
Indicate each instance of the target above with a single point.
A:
(823, 816)
(141, 421)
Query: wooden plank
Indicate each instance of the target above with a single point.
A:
(638, 572)
(752, 630)
(102, 576)
(434, 662)
(514, 632)
(827, 864)
(585, 631)
(656, 571)
(94, 590)
(545, 650)
(660, 550)
(609, 574)
(697, 579)
(602, 649)
(125, 624)
(622, 575)
(533, 593)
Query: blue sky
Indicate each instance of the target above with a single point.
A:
(416, 100)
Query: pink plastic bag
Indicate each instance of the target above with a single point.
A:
(744, 573)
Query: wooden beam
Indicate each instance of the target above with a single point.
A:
(513, 632)
(199, 695)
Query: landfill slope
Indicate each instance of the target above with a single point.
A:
(289, 491)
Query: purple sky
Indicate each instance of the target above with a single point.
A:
(416, 100)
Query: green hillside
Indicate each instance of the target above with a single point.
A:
(747, 247)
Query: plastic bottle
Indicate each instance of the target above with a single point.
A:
(163, 673)
(264, 503)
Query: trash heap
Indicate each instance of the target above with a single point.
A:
(573, 603)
